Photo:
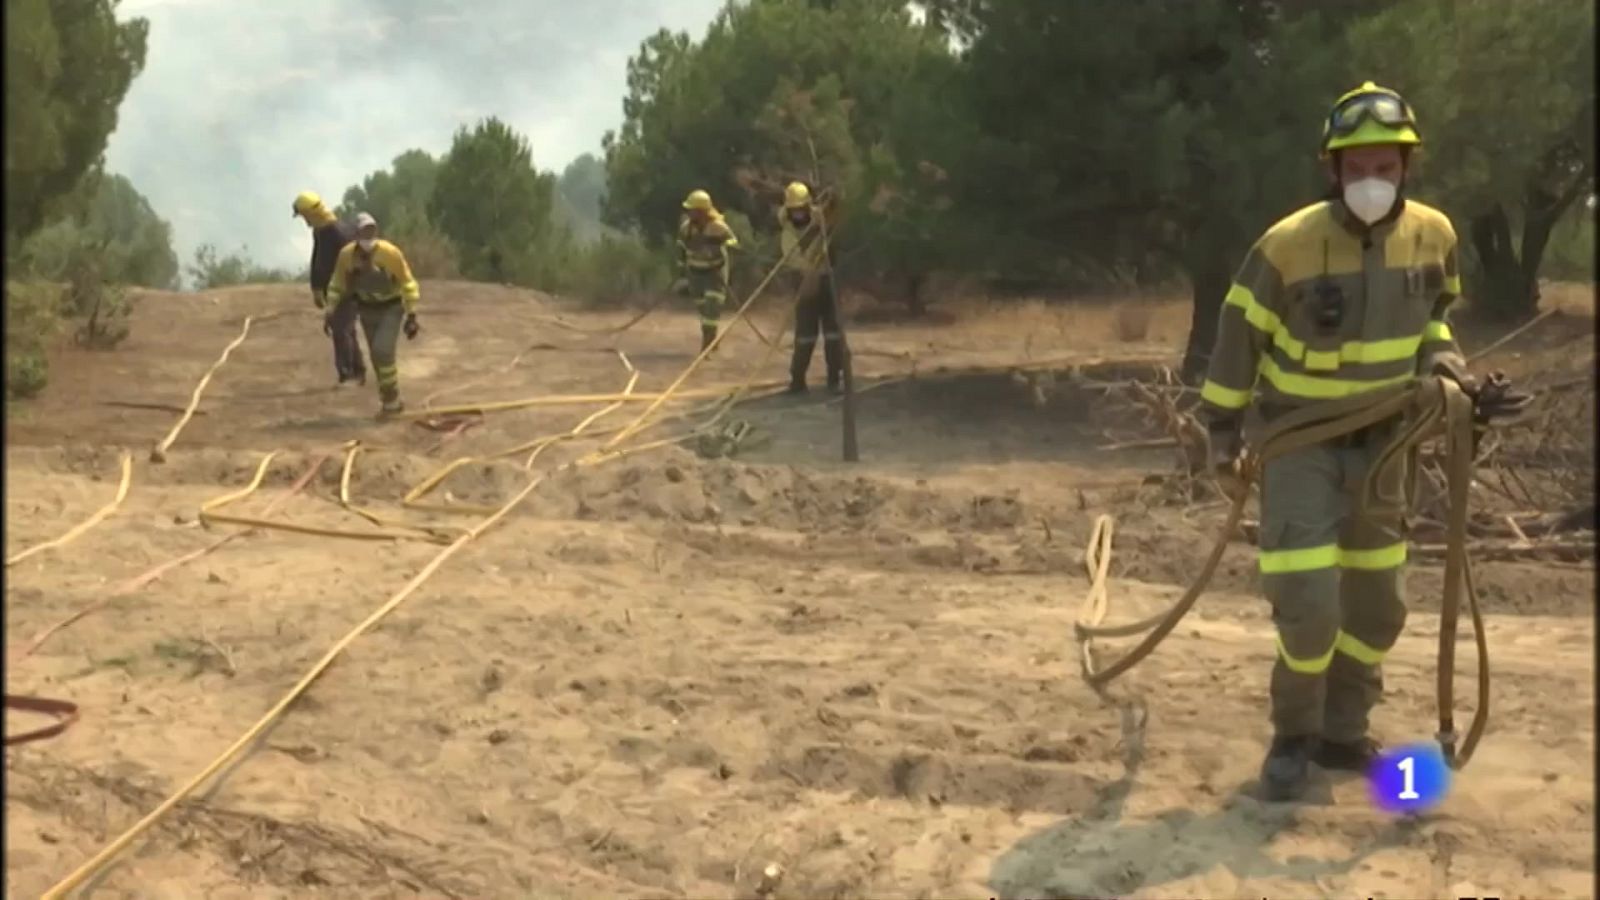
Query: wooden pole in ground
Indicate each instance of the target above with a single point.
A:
(852, 452)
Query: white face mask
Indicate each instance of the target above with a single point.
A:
(1370, 199)
(368, 243)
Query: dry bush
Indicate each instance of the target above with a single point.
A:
(103, 310)
(430, 254)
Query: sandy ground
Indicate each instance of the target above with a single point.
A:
(663, 675)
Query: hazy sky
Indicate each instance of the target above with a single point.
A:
(244, 103)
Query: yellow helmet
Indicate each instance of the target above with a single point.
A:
(796, 195)
(697, 200)
(1367, 116)
(305, 202)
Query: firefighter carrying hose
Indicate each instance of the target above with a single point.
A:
(704, 240)
(374, 273)
(329, 235)
(811, 278)
(1345, 296)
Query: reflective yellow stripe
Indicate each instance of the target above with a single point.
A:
(1390, 350)
(1267, 322)
(1316, 665)
(1283, 562)
(1225, 397)
(1452, 285)
(1312, 387)
(1388, 557)
(1356, 649)
(1438, 330)
(1315, 360)
(1262, 319)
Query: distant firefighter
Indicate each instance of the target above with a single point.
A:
(374, 273)
(328, 237)
(811, 277)
(704, 240)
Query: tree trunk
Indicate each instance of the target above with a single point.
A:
(1210, 277)
(1504, 291)
(914, 302)
(1544, 211)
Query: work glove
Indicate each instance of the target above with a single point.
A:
(327, 323)
(681, 287)
(319, 299)
(411, 328)
(1498, 402)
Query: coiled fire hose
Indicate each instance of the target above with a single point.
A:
(1427, 408)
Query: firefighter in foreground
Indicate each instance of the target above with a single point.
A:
(704, 240)
(811, 278)
(1345, 296)
(374, 274)
(329, 235)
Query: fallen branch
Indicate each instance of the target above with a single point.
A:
(1567, 550)
(159, 407)
(1146, 444)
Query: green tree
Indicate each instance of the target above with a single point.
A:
(68, 65)
(116, 225)
(494, 206)
(398, 197)
(1181, 152)
(1506, 103)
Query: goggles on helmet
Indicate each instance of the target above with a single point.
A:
(1386, 109)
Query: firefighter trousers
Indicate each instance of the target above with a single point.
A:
(709, 288)
(814, 315)
(1333, 575)
(347, 359)
(382, 320)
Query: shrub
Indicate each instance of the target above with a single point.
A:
(613, 270)
(102, 308)
(210, 271)
(32, 321)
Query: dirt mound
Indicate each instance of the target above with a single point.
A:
(679, 486)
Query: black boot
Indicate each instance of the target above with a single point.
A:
(1347, 756)
(833, 355)
(1287, 770)
(708, 333)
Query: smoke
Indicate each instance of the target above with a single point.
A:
(243, 104)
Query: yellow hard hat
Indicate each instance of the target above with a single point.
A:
(697, 200)
(1367, 116)
(305, 202)
(796, 195)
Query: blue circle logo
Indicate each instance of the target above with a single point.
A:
(1409, 779)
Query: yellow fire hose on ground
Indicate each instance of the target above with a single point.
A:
(1431, 407)
(104, 857)
(78, 530)
(158, 453)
